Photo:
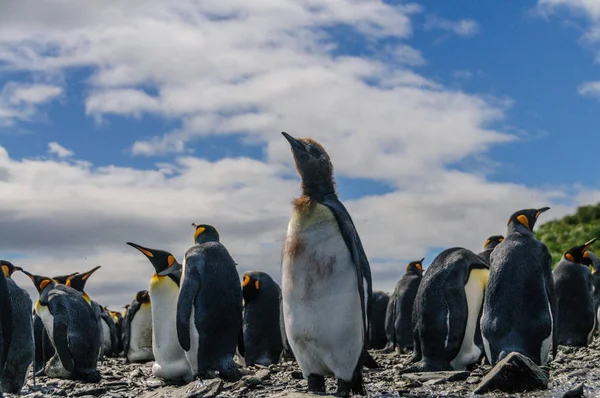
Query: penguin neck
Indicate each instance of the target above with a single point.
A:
(515, 228)
(319, 189)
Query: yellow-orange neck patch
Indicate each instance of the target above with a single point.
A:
(246, 280)
(198, 232)
(524, 220)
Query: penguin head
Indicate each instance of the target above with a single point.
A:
(78, 280)
(205, 233)
(524, 220)
(579, 254)
(250, 286)
(62, 279)
(313, 164)
(416, 266)
(142, 297)
(595, 260)
(493, 241)
(160, 259)
(9, 268)
(40, 282)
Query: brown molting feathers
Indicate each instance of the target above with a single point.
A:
(302, 203)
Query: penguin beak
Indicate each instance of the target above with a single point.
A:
(423, 259)
(90, 272)
(147, 252)
(540, 211)
(296, 145)
(587, 246)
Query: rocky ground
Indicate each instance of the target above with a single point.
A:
(572, 368)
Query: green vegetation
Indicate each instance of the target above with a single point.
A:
(572, 230)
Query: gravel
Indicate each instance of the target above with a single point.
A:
(575, 371)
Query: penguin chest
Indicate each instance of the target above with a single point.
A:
(163, 296)
(141, 328)
(316, 258)
(47, 319)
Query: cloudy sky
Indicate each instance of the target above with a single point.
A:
(128, 121)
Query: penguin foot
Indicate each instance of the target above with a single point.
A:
(316, 383)
(343, 388)
(427, 366)
(369, 362)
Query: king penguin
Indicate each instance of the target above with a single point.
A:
(78, 282)
(595, 260)
(169, 358)
(263, 341)
(21, 352)
(377, 336)
(6, 329)
(489, 245)
(574, 287)
(399, 315)
(209, 306)
(447, 310)
(118, 319)
(43, 347)
(137, 329)
(519, 312)
(326, 278)
(109, 333)
(71, 325)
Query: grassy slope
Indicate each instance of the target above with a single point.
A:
(572, 230)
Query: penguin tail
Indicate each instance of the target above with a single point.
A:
(88, 375)
(427, 365)
(370, 362)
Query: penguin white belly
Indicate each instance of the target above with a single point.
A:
(54, 367)
(322, 308)
(170, 361)
(140, 342)
(474, 290)
(192, 354)
(547, 343)
(106, 341)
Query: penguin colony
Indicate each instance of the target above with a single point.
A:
(198, 315)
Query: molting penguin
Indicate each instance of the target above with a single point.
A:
(170, 362)
(519, 311)
(137, 329)
(209, 306)
(489, 245)
(263, 341)
(447, 310)
(21, 352)
(574, 287)
(6, 328)
(399, 315)
(43, 347)
(326, 278)
(377, 336)
(78, 282)
(71, 325)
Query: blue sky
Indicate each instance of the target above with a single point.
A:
(442, 118)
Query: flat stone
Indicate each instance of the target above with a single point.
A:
(515, 373)
(93, 391)
(251, 381)
(206, 389)
(473, 380)
(300, 395)
(442, 377)
(576, 392)
(263, 374)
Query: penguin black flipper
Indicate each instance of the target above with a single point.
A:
(60, 333)
(131, 311)
(354, 244)
(549, 281)
(241, 347)
(185, 302)
(5, 321)
(456, 303)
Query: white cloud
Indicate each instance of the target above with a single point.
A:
(69, 216)
(463, 27)
(20, 101)
(255, 68)
(59, 150)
